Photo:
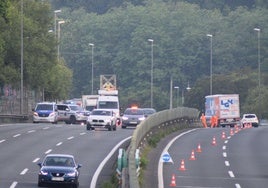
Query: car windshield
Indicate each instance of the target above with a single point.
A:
(101, 112)
(59, 161)
(44, 107)
(134, 112)
(250, 116)
(149, 111)
(76, 108)
(108, 105)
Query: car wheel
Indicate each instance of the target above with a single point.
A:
(114, 128)
(75, 186)
(89, 127)
(40, 184)
(123, 126)
(72, 120)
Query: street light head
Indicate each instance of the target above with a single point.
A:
(257, 29)
(150, 40)
(209, 35)
(57, 11)
(91, 44)
(61, 22)
(176, 87)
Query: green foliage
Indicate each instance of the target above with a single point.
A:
(40, 68)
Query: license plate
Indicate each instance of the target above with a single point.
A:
(133, 122)
(57, 179)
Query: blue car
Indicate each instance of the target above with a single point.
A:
(58, 169)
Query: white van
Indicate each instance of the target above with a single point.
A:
(110, 103)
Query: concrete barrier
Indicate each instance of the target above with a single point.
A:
(165, 118)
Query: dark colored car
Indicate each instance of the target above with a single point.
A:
(132, 117)
(58, 169)
(149, 111)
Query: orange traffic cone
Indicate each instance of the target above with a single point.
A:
(192, 158)
(173, 181)
(231, 132)
(214, 143)
(199, 150)
(182, 167)
(223, 135)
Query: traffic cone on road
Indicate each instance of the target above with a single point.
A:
(214, 143)
(173, 181)
(223, 135)
(199, 150)
(192, 158)
(182, 167)
(231, 132)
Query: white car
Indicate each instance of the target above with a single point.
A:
(250, 119)
(102, 118)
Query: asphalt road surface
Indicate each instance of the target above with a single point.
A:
(22, 146)
(238, 160)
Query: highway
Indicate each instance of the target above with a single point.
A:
(22, 146)
(238, 160)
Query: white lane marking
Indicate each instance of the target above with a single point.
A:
(231, 174)
(228, 137)
(2, 141)
(35, 160)
(45, 128)
(31, 131)
(223, 147)
(48, 151)
(70, 138)
(160, 164)
(13, 185)
(227, 163)
(224, 154)
(237, 185)
(16, 135)
(24, 171)
(93, 182)
(58, 144)
(226, 141)
(83, 133)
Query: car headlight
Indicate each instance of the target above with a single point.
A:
(43, 173)
(142, 118)
(125, 118)
(71, 174)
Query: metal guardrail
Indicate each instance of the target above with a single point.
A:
(143, 128)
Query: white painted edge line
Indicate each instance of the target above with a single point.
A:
(70, 138)
(237, 185)
(93, 182)
(58, 144)
(35, 160)
(160, 164)
(2, 141)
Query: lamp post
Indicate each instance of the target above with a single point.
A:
(152, 69)
(177, 97)
(259, 70)
(59, 23)
(55, 21)
(21, 60)
(211, 36)
(92, 70)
